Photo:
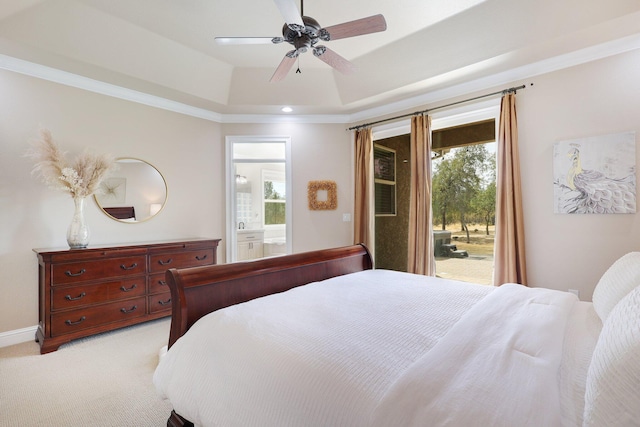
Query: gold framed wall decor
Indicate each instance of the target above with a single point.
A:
(318, 204)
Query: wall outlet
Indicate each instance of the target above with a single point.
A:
(346, 217)
(576, 292)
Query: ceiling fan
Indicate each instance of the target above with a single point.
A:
(304, 32)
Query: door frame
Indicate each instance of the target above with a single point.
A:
(230, 184)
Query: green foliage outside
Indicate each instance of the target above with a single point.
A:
(464, 188)
(274, 213)
(274, 205)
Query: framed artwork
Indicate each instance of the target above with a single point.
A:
(113, 191)
(595, 175)
(322, 195)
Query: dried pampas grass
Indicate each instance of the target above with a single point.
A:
(81, 178)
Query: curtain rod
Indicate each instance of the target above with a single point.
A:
(503, 92)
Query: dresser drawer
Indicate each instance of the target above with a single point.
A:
(162, 262)
(75, 272)
(160, 302)
(158, 283)
(82, 295)
(84, 318)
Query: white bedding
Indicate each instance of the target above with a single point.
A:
(581, 336)
(334, 353)
(497, 366)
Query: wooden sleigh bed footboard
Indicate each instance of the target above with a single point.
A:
(198, 291)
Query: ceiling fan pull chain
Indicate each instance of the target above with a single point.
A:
(298, 70)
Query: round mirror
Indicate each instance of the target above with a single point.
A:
(135, 192)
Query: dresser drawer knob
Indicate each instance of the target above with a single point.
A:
(124, 310)
(165, 302)
(80, 273)
(167, 262)
(123, 289)
(70, 298)
(70, 323)
(131, 267)
(162, 282)
(200, 258)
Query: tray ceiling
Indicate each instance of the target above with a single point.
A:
(166, 48)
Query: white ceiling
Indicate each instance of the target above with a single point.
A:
(166, 48)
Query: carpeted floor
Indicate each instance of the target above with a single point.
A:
(104, 380)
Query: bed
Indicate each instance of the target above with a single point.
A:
(122, 212)
(323, 339)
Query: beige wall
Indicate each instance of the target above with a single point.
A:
(318, 152)
(188, 151)
(564, 251)
(599, 98)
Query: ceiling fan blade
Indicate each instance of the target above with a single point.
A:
(336, 61)
(248, 40)
(290, 12)
(371, 24)
(284, 67)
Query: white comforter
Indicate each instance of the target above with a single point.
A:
(360, 349)
(498, 366)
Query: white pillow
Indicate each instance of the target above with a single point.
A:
(612, 396)
(615, 283)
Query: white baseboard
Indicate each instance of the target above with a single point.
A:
(17, 336)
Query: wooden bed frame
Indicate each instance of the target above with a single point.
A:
(198, 291)
(123, 212)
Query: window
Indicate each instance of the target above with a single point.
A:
(468, 208)
(464, 198)
(274, 198)
(384, 172)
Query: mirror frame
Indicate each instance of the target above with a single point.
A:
(164, 203)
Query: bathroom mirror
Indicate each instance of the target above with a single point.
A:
(135, 192)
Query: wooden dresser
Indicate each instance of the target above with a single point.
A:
(83, 292)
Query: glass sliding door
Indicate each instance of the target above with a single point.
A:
(258, 197)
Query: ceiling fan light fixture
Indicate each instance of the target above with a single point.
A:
(303, 33)
(319, 50)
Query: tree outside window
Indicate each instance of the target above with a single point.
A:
(274, 203)
(464, 188)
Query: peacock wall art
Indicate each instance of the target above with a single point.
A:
(595, 175)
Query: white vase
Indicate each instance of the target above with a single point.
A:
(78, 231)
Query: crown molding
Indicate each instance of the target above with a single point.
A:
(571, 59)
(524, 72)
(74, 80)
(273, 118)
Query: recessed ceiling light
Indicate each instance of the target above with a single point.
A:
(287, 109)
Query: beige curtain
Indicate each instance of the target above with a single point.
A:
(421, 257)
(364, 216)
(509, 261)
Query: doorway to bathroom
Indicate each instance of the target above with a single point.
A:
(258, 197)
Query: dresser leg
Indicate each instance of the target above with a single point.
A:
(50, 344)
